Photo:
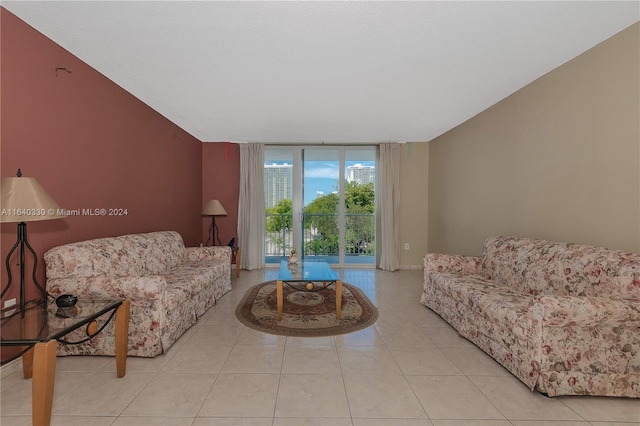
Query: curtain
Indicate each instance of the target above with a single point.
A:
(389, 206)
(251, 220)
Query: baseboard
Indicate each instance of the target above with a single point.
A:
(350, 266)
(410, 266)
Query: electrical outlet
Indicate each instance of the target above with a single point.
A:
(406, 246)
(7, 304)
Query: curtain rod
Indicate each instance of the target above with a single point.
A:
(322, 144)
(308, 143)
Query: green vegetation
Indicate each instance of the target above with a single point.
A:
(279, 217)
(321, 217)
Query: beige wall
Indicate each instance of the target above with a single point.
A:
(558, 159)
(413, 203)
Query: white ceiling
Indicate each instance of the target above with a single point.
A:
(334, 72)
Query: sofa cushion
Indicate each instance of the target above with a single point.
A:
(517, 261)
(487, 301)
(217, 269)
(162, 251)
(503, 307)
(128, 255)
(184, 282)
(540, 267)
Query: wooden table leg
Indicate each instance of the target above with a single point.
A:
(279, 292)
(30, 324)
(27, 363)
(238, 262)
(44, 374)
(338, 298)
(122, 337)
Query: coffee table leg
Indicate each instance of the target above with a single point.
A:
(338, 298)
(122, 337)
(279, 292)
(44, 374)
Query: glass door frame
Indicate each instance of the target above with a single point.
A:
(341, 221)
(297, 201)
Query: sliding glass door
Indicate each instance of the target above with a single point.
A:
(321, 189)
(320, 201)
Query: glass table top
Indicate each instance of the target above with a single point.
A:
(306, 271)
(43, 323)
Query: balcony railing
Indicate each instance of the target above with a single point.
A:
(321, 237)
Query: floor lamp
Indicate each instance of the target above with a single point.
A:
(23, 200)
(213, 208)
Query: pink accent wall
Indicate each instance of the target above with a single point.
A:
(91, 144)
(221, 180)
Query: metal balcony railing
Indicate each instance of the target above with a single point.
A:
(321, 236)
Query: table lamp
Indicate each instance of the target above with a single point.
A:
(213, 208)
(23, 200)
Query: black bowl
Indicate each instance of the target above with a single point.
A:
(66, 300)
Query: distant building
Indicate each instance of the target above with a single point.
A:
(278, 183)
(361, 174)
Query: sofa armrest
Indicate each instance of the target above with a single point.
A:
(452, 263)
(132, 288)
(585, 345)
(214, 253)
(568, 311)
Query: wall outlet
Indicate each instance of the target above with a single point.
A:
(7, 304)
(406, 246)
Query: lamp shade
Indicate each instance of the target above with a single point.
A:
(23, 199)
(213, 208)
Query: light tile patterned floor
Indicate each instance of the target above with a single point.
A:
(410, 368)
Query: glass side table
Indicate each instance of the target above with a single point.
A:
(235, 258)
(39, 329)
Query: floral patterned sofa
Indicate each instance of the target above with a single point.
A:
(563, 318)
(169, 285)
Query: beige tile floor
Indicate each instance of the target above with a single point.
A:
(410, 368)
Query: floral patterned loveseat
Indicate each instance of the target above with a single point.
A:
(169, 285)
(563, 318)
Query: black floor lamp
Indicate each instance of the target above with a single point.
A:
(23, 200)
(213, 208)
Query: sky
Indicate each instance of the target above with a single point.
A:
(321, 167)
(323, 176)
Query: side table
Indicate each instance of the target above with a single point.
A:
(40, 328)
(235, 258)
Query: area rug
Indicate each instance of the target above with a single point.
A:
(306, 313)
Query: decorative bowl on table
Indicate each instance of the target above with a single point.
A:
(66, 300)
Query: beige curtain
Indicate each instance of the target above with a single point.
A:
(389, 206)
(251, 220)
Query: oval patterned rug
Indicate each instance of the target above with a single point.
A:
(306, 313)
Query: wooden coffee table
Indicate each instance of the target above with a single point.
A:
(39, 329)
(311, 274)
